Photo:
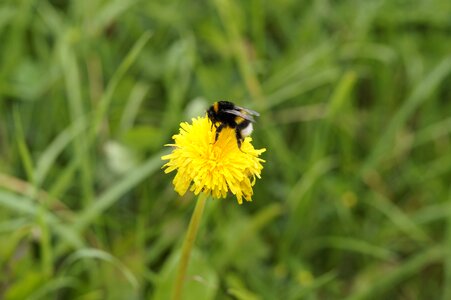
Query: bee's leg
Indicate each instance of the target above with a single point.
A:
(239, 138)
(218, 131)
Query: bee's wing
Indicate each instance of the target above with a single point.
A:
(247, 110)
(240, 114)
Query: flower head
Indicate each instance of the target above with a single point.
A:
(204, 165)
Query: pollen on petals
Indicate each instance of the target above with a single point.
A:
(216, 168)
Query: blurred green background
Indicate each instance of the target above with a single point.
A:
(354, 200)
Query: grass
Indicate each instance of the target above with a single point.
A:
(354, 96)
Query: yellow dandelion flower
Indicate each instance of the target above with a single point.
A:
(213, 167)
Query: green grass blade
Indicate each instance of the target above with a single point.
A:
(446, 294)
(49, 155)
(54, 286)
(352, 244)
(399, 219)
(420, 94)
(26, 206)
(24, 152)
(87, 253)
(405, 270)
(125, 65)
(113, 194)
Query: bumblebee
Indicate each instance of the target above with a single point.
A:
(224, 114)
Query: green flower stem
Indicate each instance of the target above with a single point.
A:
(188, 245)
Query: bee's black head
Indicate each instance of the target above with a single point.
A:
(211, 114)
